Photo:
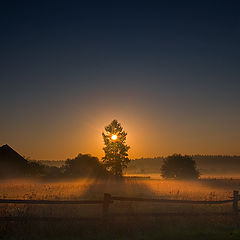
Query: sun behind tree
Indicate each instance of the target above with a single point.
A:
(114, 137)
(116, 156)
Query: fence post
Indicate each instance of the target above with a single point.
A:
(106, 203)
(235, 206)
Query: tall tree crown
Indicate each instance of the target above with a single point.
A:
(116, 156)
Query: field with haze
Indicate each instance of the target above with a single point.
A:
(93, 189)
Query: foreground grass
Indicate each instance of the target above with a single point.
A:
(175, 235)
(166, 234)
(124, 228)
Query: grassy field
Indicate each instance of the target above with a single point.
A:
(183, 227)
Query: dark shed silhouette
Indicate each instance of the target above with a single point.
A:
(11, 162)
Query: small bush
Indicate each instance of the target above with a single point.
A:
(179, 167)
(84, 165)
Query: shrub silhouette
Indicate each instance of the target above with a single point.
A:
(177, 166)
(37, 169)
(84, 165)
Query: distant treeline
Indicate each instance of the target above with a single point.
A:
(54, 163)
(208, 164)
(13, 164)
(217, 159)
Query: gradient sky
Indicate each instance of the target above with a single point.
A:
(167, 70)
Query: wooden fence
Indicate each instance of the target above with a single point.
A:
(109, 199)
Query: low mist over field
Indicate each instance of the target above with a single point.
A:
(209, 166)
(94, 189)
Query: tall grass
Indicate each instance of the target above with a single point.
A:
(95, 188)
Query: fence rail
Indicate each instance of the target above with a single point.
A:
(48, 219)
(170, 200)
(109, 199)
(30, 201)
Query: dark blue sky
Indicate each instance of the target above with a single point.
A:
(168, 70)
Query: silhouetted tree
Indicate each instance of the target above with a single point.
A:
(84, 165)
(116, 156)
(179, 167)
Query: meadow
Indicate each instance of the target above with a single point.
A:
(123, 227)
